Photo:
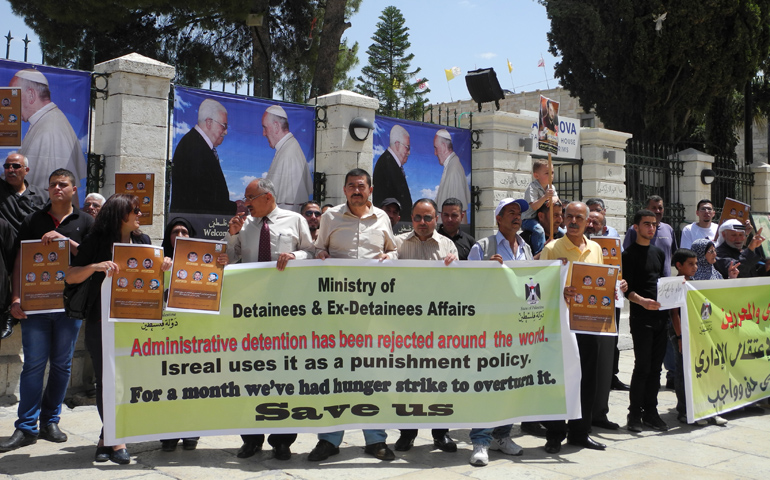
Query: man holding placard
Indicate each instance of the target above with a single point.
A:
(46, 336)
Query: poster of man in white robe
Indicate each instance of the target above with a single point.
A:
(55, 116)
(246, 149)
(438, 166)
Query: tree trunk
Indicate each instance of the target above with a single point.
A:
(261, 51)
(334, 26)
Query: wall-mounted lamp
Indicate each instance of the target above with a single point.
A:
(707, 176)
(527, 143)
(360, 127)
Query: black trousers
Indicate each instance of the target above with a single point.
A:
(649, 349)
(274, 439)
(93, 341)
(436, 432)
(588, 347)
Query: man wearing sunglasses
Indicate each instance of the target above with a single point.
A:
(425, 243)
(46, 336)
(312, 212)
(197, 182)
(17, 197)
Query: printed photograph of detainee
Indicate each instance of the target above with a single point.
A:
(600, 281)
(52, 257)
(207, 258)
(192, 257)
(197, 276)
(579, 298)
(147, 263)
(587, 280)
(146, 201)
(614, 251)
(139, 283)
(213, 277)
(140, 186)
(548, 125)
(45, 277)
(59, 276)
(181, 274)
(31, 277)
(154, 284)
(129, 186)
(123, 282)
(38, 258)
(605, 252)
(132, 263)
(605, 301)
(592, 300)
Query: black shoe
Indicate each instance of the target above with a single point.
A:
(248, 449)
(17, 440)
(404, 443)
(120, 456)
(654, 421)
(445, 444)
(168, 445)
(380, 451)
(634, 423)
(7, 326)
(535, 429)
(670, 384)
(552, 446)
(618, 385)
(52, 433)
(102, 454)
(282, 451)
(189, 443)
(322, 451)
(605, 424)
(586, 442)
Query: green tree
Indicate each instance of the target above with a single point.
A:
(206, 41)
(386, 76)
(659, 79)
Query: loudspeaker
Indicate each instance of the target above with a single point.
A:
(484, 87)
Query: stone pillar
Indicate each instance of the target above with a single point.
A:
(336, 151)
(501, 166)
(131, 125)
(691, 188)
(760, 192)
(604, 173)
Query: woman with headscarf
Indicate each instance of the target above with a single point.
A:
(177, 227)
(707, 256)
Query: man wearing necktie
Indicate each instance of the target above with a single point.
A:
(389, 176)
(267, 234)
(198, 184)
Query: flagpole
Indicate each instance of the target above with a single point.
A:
(550, 207)
(450, 91)
(544, 72)
(510, 73)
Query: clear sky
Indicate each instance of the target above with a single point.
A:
(468, 34)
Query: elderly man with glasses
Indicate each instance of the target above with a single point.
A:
(93, 204)
(198, 184)
(267, 234)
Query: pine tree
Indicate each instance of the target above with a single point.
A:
(387, 77)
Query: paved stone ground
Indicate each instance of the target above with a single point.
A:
(737, 450)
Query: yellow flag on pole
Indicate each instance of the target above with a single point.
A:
(510, 67)
(452, 73)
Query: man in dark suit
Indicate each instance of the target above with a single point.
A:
(197, 182)
(389, 177)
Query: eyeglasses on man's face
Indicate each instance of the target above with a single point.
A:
(249, 198)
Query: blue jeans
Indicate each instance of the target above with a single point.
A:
(484, 436)
(45, 337)
(370, 437)
(538, 234)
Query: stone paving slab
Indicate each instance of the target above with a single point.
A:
(737, 450)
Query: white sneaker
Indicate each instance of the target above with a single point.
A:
(718, 420)
(506, 445)
(701, 422)
(480, 457)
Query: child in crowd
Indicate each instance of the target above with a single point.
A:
(538, 193)
(686, 263)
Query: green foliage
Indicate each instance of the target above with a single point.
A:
(387, 76)
(206, 41)
(659, 84)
